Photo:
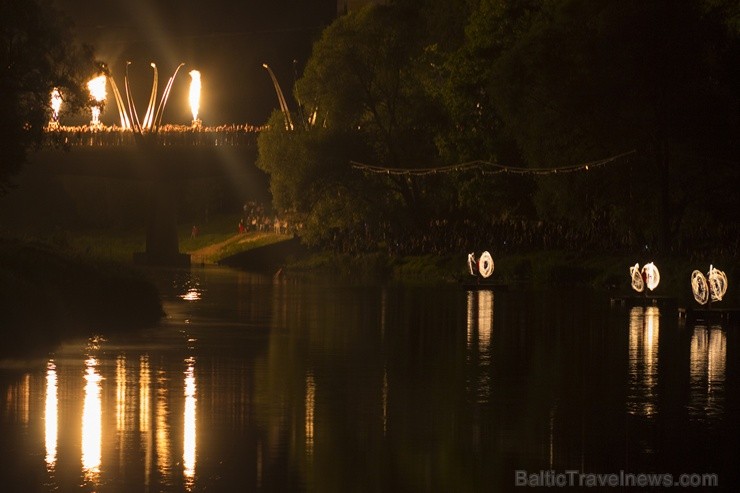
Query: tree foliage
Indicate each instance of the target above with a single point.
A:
(527, 84)
(370, 106)
(592, 79)
(37, 53)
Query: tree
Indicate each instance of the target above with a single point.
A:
(37, 54)
(369, 105)
(474, 129)
(592, 79)
(311, 180)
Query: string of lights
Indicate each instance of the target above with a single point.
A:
(489, 168)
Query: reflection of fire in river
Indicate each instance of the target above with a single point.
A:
(643, 360)
(91, 422)
(707, 370)
(51, 416)
(310, 403)
(479, 329)
(188, 451)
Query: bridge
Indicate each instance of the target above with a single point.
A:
(160, 159)
(146, 149)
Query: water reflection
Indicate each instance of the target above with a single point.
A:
(189, 430)
(192, 294)
(479, 330)
(92, 422)
(229, 419)
(51, 416)
(120, 394)
(707, 362)
(643, 360)
(145, 399)
(385, 401)
(163, 428)
(188, 287)
(17, 399)
(310, 402)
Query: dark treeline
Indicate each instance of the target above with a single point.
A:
(532, 85)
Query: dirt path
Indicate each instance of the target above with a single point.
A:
(205, 255)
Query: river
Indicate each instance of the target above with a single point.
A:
(252, 384)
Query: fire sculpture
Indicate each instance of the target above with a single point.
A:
(712, 287)
(648, 276)
(97, 92)
(194, 96)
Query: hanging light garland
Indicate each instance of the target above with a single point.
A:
(487, 167)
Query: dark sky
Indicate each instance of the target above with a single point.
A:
(226, 40)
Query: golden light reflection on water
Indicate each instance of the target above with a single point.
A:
(643, 360)
(51, 416)
(190, 288)
(485, 319)
(17, 399)
(192, 294)
(385, 400)
(144, 393)
(708, 359)
(479, 332)
(92, 422)
(471, 318)
(189, 427)
(120, 393)
(145, 399)
(163, 428)
(310, 403)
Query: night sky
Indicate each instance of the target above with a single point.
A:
(226, 40)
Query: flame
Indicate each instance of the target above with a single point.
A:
(97, 91)
(195, 93)
(56, 102)
(97, 88)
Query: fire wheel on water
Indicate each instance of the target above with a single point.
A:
(648, 276)
(712, 286)
(482, 266)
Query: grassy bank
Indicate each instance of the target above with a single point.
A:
(119, 245)
(47, 294)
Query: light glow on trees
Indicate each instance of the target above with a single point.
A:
(56, 104)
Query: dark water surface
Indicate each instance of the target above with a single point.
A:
(252, 385)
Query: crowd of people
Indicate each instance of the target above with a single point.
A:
(166, 135)
(255, 217)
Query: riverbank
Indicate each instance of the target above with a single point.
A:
(219, 243)
(536, 269)
(48, 294)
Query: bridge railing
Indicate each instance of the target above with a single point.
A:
(167, 135)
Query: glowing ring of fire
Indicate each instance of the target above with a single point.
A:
(699, 287)
(485, 264)
(652, 276)
(637, 283)
(717, 283)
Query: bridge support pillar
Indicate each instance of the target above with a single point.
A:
(162, 245)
